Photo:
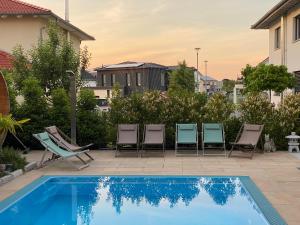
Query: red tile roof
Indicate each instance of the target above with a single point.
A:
(19, 7)
(5, 60)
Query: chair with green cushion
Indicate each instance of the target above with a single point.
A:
(186, 134)
(57, 152)
(213, 137)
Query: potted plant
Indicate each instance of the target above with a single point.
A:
(8, 124)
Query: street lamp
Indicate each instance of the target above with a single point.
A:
(205, 63)
(197, 51)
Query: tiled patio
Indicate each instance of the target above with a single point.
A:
(276, 174)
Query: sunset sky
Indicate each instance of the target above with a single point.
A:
(167, 31)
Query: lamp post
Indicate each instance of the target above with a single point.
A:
(205, 63)
(197, 51)
(73, 104)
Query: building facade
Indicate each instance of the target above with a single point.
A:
(25, 24)
(283, 23)
(132, 77)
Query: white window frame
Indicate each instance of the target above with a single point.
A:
(138, 79)
(277, 38)
(103, 81)
(128, 80)
(113, 79)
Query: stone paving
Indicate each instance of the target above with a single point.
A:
(276, 174)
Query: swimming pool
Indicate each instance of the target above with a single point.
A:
(139, 200)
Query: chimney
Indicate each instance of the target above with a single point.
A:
(67, 10)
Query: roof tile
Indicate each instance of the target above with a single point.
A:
(19, 7)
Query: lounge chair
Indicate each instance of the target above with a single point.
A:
(213, 137)
(127, 135)
(57, 152)
(154, 134)
(186, 134)
(64, 141)
(247, 139)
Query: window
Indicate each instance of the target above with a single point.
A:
(113, 79)
(162, 79)
(277, 37)
(297, 28)
(103, 81)
(128, 82)
(138, 79)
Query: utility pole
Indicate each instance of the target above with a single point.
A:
(205, 63)
(197, 51)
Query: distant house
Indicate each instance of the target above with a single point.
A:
(25, 24)
(132, 77)
(283, 23)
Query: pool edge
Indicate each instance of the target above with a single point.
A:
(267, 209)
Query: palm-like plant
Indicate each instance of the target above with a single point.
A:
(8, 124)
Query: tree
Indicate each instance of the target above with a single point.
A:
(52, 58)
(228, 86)
(182, 79)
(60, 112)
(85, 58)
(267, 78)
(21, 70)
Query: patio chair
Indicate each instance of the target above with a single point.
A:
(186, 134)
(57, 152)
(64, 141)
(213, 137)
(247, 139)
(127, 135)
(154, 134)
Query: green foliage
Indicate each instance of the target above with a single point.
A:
(228, 86)
(60, 112)
(52, 58)
(11, 156)
(85, 58)
(286, 120)
(182, 80)
(21, 69)
(35, 107)
(267, 77)
(91, 124)
(218, 108)
(87, 100)
(256, 108)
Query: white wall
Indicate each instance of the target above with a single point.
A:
(25, 31)
(292, 48)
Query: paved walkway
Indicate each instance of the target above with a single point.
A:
(276, 174)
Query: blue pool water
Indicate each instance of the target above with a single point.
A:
(133, 200)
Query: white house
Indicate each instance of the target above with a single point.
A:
(283, 23)
(25, 24)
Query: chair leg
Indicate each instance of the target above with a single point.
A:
(230, 152)
(88, 155)
(84, 162)
(43, 158)
(116, 153)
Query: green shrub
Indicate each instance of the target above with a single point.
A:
(60, 112)
(285, 120)
(91, 124)
(12, 156)
(34, 107)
